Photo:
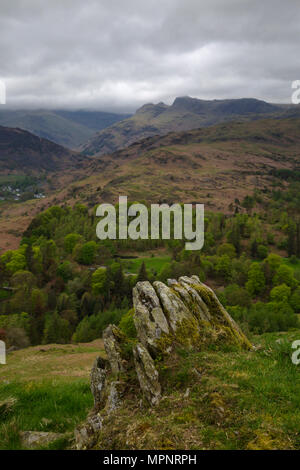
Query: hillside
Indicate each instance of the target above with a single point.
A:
(67, 128)
(215, 399)
(184, 114)
(22, 151)
(214, 165)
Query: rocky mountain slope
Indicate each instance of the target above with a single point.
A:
(183, 314)
(67, 128)
(184, 114)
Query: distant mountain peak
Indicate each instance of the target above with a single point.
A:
(186, 113)
(153, 109)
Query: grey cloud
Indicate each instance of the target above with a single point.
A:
(117, 55)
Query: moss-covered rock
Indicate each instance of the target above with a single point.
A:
(186, 314)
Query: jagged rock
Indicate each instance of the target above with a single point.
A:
(186, 313)
(112, 338)
(147, 374)
(149, 319)
(98, 379)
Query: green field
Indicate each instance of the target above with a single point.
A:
(153, 264)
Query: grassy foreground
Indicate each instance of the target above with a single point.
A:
(45, 388)
(223, 399)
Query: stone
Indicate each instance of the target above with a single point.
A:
(114, 398)
(33, 439)
(98, 381)
(86, 435)
(173, 307)
(185, 312)
(149, 319)
(112, 337)
(147, 374)
(218, 312)
(191, 298)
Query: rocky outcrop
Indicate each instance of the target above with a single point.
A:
(184, 313)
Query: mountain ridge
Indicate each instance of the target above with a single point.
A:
(184, 114)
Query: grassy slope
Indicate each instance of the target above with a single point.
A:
(51, 387)
(216, 399)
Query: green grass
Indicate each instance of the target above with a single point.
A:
(46, 388)
(43, 406)
(218, 398)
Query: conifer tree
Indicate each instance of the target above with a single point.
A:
(142, 275)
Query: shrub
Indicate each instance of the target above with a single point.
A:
(127, 324)
(262, 251)
(236, 295)
(87, 252)
(280, 293)
(64, 270)
(285, 275)
(17, 337)
(227, 249)
(99, 281)
(92, 327)
(256, 279)
(266, 317)
(223, 267)
(57, 330)
(295, 300)
(70, 241)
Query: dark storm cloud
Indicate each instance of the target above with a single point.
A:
(117, 54)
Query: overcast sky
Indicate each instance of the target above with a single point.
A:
(119, 54)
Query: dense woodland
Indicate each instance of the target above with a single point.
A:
(63, 284)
